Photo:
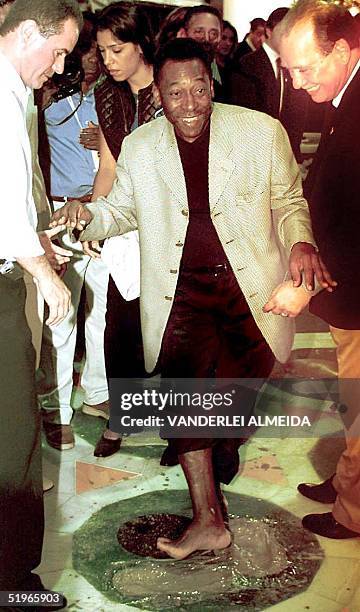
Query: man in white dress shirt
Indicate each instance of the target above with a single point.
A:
(34, 40)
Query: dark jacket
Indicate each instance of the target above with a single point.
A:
(116, 109)
(255, 86)
(242, 49)
(333, 192)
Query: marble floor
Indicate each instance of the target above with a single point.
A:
(272, 464)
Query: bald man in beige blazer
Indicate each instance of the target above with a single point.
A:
(240, 163)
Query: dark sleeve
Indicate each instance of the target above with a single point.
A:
(243, 91)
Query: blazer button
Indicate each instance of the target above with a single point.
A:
(167, 297)
(185, 212)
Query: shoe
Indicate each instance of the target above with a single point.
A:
(97, 410)
(33, 583)
(106, 447)
(325, 493)
(47, 484)
(59, 436)
(325, 525)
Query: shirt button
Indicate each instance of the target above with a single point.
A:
(185, 212)
(179, 244)
(167, 297)
(173, 271)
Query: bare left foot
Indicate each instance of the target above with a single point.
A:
(198, 536)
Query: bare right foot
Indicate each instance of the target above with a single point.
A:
(198, 536)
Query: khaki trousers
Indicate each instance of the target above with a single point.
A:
(346, 509)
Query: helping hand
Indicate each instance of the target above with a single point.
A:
(73, 214)
(304, 259)
(56, 255)
(287, 300)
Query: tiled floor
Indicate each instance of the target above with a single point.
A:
(271, 469)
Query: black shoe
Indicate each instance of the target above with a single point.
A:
(33, 583)
(325, 493)
(106, 447)
(325, 525)
(43, 608)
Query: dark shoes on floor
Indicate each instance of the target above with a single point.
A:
(58, 436)
(325, 525)
(324, 493)
(106, 447)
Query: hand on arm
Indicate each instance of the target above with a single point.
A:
(73, 214)
(55, 254)
(305, 263)
(92, 248)
(287, 300)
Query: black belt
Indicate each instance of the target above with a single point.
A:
(218, 269)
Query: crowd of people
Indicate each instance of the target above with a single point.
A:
(170, 167)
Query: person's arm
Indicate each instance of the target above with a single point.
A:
(55, 293)
(18, 238)
(108, 216)
(291, 218)
(107, 170)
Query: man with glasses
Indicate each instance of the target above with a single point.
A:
(320, 47)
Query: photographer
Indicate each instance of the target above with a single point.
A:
(71, 127)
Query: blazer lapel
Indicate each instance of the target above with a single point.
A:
(221, 166)
(169, 165)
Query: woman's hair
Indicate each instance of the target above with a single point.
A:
(171, 25)
(128, 23)
(228, 26)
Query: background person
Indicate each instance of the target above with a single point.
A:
(124, 100)
(70, 124)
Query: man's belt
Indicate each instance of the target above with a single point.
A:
(85, 198)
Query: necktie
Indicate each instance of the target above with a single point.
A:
(280, 82)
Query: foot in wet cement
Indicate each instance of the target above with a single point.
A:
(198, 536)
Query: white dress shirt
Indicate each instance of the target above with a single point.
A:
(336, 101)
(18, 237)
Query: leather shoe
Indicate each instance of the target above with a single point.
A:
(325, 525)
(325, 493)
(97, 410)
(59, 436)
(106, 447)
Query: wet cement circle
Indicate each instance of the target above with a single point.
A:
(203, 584)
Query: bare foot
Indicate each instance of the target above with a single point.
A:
(198, 536)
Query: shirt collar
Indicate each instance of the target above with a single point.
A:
(336, 101)
(10, 76)
(272, 55)
(249, 42)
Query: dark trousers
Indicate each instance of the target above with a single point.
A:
(123, 348)
(211, 333)
(21, 494)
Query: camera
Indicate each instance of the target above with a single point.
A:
(69, 82)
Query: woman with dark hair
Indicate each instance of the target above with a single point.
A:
(124, 100)
(224, 54)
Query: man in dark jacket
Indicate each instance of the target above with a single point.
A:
(260, 83)
(320, 47)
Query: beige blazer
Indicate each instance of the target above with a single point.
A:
(256, 206)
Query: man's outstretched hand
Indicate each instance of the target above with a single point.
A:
(73, 214)
(305, 264)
